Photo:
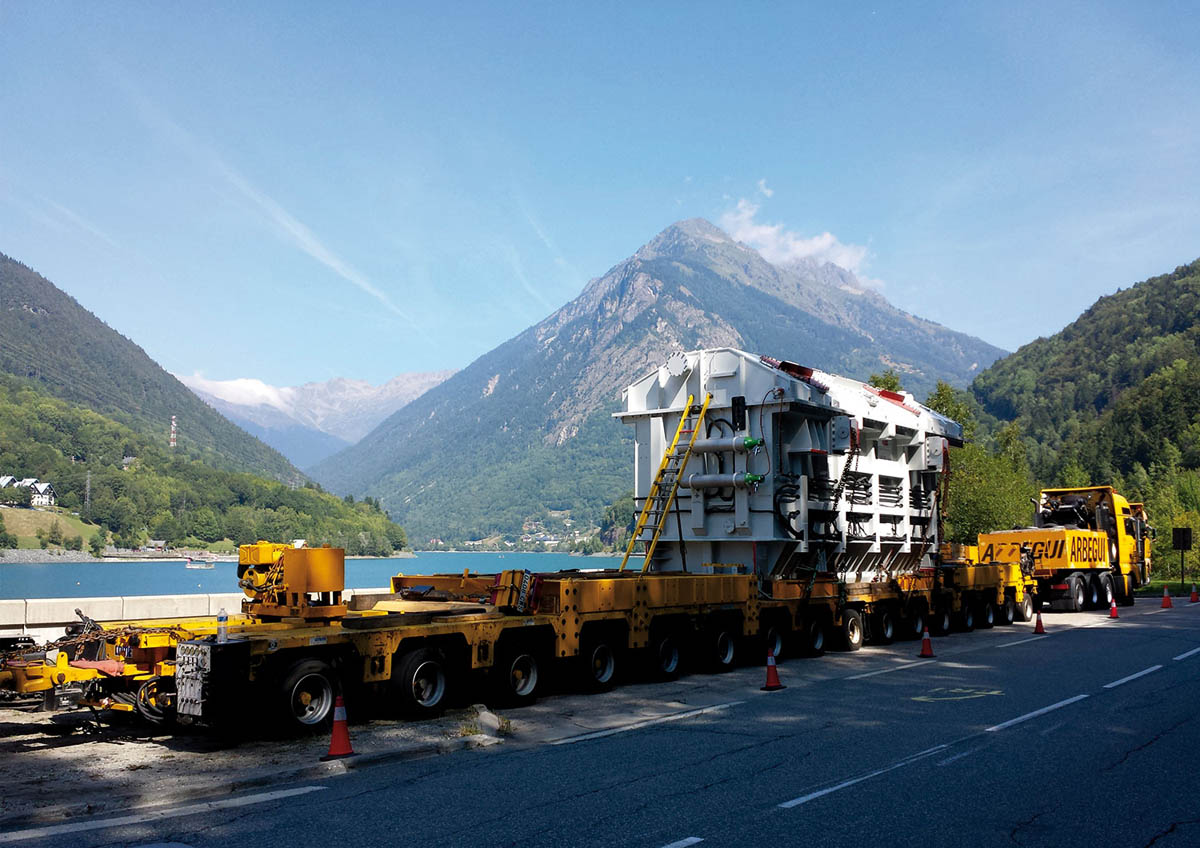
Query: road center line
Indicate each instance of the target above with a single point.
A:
(685, 842)
(1034, 714)
(888, 670)
(1160, 609)
(637, 725)
(1141, 673)
(820, 793)
(1187, 654)
(1023, 641)
(155, 814)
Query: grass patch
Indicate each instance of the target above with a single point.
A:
(24, 524)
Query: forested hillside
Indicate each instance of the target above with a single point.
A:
(46, 337)
(140, 489)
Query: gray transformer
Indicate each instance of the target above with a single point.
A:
(844, 481)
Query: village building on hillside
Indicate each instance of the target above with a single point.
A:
(40, 494)
(7, 480)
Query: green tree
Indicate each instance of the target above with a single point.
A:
(7, 540)
(955, 404)
(98, 542)
(889, 380)
(73, 543)
(55, 536)
(985, 493)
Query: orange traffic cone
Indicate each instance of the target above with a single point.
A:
(773, 683)
(1166, 604)
(926, 646)
(1195, 598)
(1037, 628)
(339, 742)
(1112, 609)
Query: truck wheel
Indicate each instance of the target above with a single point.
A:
(913, 626)
(665, 657)
(599, 665)
(1078, 593)
(814, 637)
(1027, 610)
(852, 630)
(987, 616)
(306, 695)
(722, 650)
(515, 677)
(1106, 589)
(883, 627)
(1091, 590)
(1008, 612)
(966, 620)
(1126, 598)
(420, 683)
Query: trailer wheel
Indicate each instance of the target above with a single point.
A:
(306, 695)
(966, 619)
(1091, 592)
(987, 616)
(883, 627)
(852, 630)
(1008, 612)
(775, 640)
(943, 621)
(723, 649)
(913, 625)
(515, 676)
(814, 637)
(599, 660)
(1106, 589)
(666, 657)
(1027, 612)
(420, 683)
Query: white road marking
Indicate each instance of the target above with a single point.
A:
(685, 842)
(949, 760)
(638, 725)
(155, 814)
(1187, 654)
(887, 670)
(820, 793)
(1160, 609)
(1023, 641)
(1051, 729)
(1141, 673)
(1034, 714)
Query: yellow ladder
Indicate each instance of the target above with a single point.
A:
(666, 482)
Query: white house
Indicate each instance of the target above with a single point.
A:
(42, 494)
(7, 480)
(26, 483)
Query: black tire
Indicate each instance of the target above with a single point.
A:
(599, 665)
(966, 619)
(306, 694)
(1107, 595)
(852, 630)
(516, 676)
(1007, 613)
(420, 683)
(912, 626)
(1037, 604)
(1078, 593)
(986, 619)
(1127, 597)
(943, 622)
(883, 627)
(1091, 589)
(722, 650)
(814, 637)
(1026, 610)
(775, 640)
(666, 659)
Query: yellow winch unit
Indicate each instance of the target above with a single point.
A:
(286, 581)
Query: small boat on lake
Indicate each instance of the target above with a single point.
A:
(198, 563)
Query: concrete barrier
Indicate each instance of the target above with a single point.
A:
(45, 618)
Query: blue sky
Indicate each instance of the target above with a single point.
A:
(295, 192)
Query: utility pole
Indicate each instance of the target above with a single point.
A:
(87, 494)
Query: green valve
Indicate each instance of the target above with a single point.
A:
(754, 478)
(753, 443)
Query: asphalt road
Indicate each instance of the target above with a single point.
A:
(1088, 736)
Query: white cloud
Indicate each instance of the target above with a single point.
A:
(244, 391)
(762, 187)
(778, 245)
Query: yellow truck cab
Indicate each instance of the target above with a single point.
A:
(1088, 545)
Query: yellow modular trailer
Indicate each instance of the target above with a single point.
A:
(1087, 546)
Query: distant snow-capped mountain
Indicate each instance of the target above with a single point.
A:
(311, 422)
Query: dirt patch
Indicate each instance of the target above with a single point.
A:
(53, 771)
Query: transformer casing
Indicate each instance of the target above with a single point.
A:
(883, 450)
